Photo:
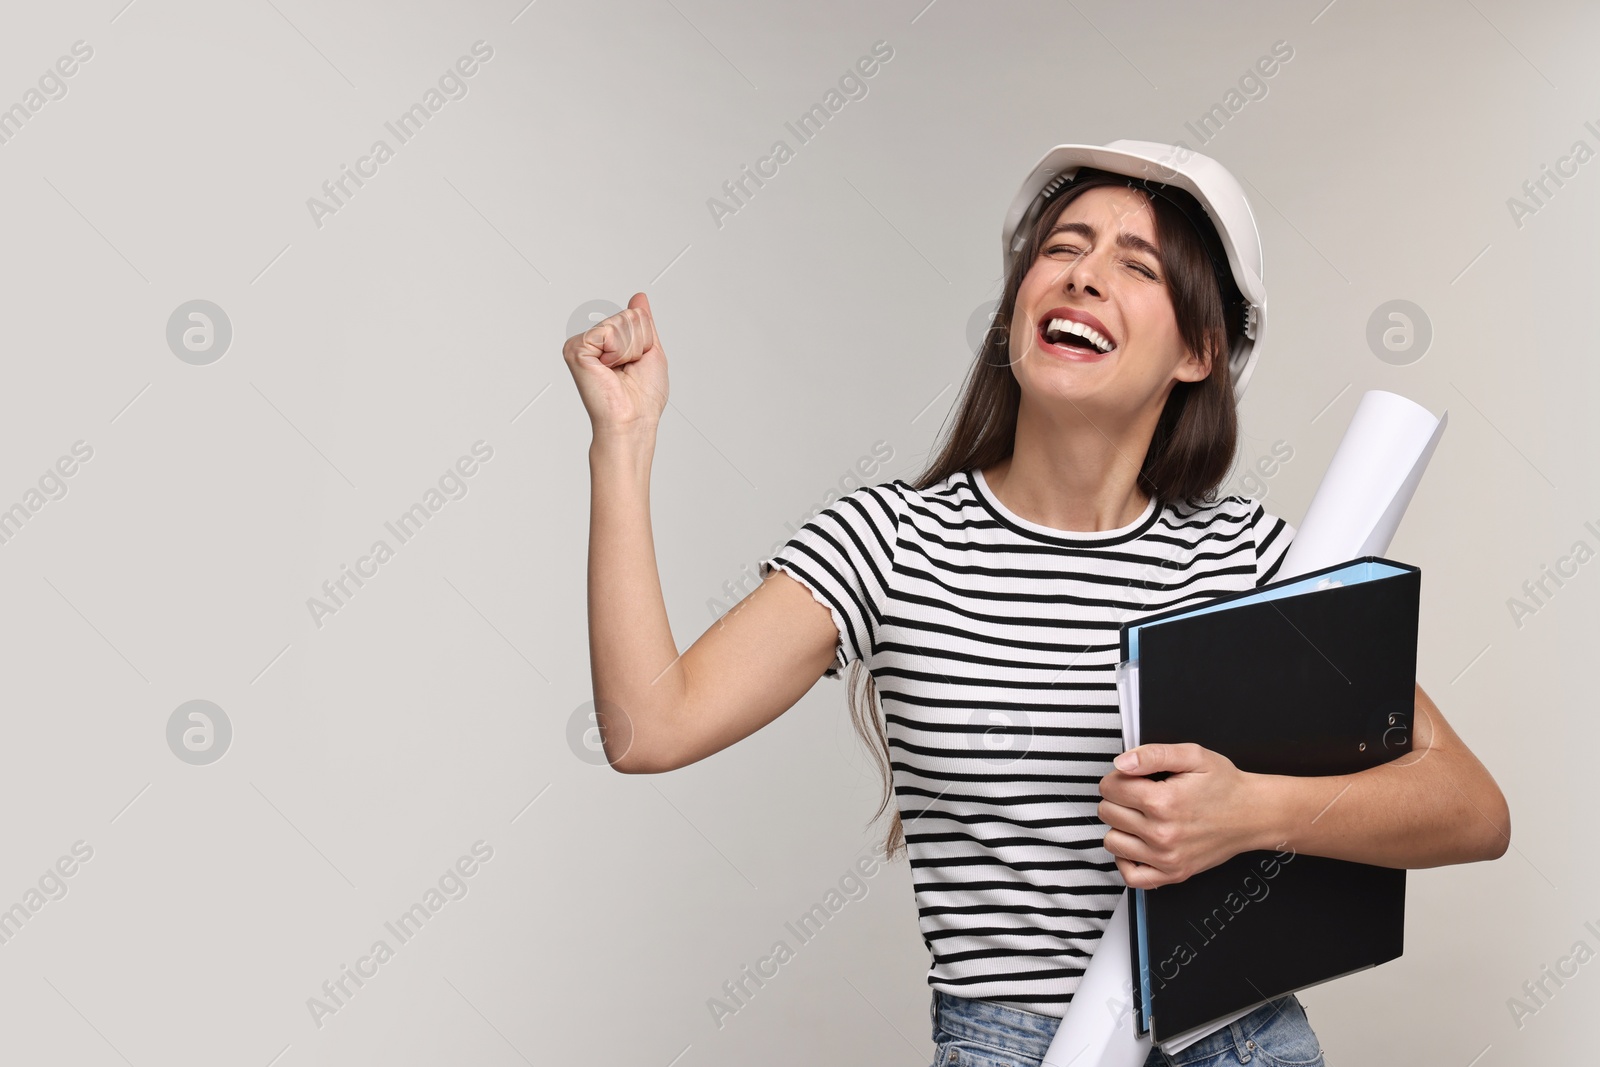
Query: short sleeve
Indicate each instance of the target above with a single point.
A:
(1273, 537)
(844, 555)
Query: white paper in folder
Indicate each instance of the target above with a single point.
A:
(1355, 512)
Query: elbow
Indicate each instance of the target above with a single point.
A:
(1502, 836)
(628, 749)
(627, 757)
(634, 763)
(636, 757)
(1495, 817)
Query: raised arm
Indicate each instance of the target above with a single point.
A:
(659, 710)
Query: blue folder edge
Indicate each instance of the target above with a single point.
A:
(1354, 574)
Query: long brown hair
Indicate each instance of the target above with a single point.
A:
(1190, 451)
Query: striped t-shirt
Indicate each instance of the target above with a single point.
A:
(993, 644)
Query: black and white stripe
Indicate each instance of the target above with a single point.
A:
(993, 644)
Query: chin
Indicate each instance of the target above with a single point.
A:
(1061, 390)
(1054, 385)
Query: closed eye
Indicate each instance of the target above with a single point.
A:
(1136, 265)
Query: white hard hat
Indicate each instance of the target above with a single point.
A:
(1217, 191)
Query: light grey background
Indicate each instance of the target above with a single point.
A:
(433, 710)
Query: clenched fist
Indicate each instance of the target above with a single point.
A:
(620, 370)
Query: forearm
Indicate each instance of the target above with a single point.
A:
(1424, 809)
(632, 654)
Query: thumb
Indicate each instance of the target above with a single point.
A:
(1149, 759)
(651, 339)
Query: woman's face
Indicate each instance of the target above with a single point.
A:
(1100, 266)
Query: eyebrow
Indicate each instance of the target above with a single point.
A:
(1124, 238)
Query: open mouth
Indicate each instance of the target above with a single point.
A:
(1064, 332)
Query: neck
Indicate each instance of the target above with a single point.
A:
(1071, 471)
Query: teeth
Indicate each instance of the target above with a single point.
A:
(1055, 328)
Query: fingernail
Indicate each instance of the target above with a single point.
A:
(1127, 761)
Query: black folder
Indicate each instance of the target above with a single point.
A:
(1313, 675)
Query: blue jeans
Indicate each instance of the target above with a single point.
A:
(977, 1033)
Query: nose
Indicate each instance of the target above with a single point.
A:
(1082, 274)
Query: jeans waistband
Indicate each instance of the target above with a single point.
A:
(1028, 1035)
(967, 1019)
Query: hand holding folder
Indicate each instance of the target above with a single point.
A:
(1309, 676)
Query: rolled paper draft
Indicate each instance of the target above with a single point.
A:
(1355, 512)
(1368, 485)
(1098, 1028)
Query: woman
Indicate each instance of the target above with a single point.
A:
(1075, 491)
